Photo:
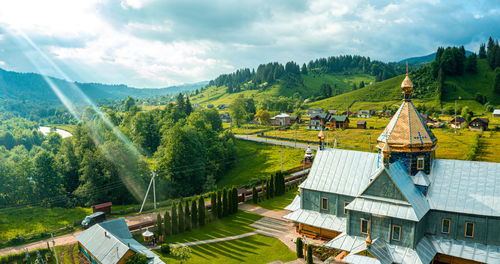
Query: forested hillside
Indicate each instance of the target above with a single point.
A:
(111, 161)
(320, 78)
(35, 87)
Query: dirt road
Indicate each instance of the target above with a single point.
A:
(68, 239)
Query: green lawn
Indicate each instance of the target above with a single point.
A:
(33, 220)
(279, 203)
(233, 225)
(258, 161)
(252, 249)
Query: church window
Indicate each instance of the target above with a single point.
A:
(324, 204)
(365, 225)
(396, 233)
(346, 203)
(469, 229)
(420, 163)
(445, 226)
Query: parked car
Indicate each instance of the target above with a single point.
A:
(93, 219)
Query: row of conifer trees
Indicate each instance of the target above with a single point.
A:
(273, 186)
(194, 214)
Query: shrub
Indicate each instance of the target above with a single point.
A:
(159, 229)
(219, 204)
(165, 249)
(300, 248)
(309, 255)
(235, 200)
(213, 203)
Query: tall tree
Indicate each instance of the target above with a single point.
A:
(129, 103)
(213, 203)
(180, 214)
(180, 103)
(175, 219)
(189, 107)
(482, 51)
(47, 179)
(219, 204)
(225, 203)
(159, 228)
(187, 216)
(167, 224)
(496, 85)
(194, 214)
(201, 211)
(471, 63)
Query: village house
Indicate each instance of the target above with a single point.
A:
(401, 205)
(479, 124)
(364, 114)
(112, 243)
(496, 113)
(318, 121)
(313, 111)
(337, 122)
(457, 122)
(281, 120)
(225, 117)
(361, 124)
(348, 113)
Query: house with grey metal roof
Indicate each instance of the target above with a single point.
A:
(401, 205)
(112, 243)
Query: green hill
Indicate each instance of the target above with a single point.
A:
(309, 86)
(461, 88)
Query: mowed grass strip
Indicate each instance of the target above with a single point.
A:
(233, 225)
(34, 220)
(280, 202)
(252, 249)
(257, 161)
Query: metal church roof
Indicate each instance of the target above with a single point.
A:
(471, 187)
(463, 249)
(360, 259)
(338, 171)
(294, 205)
(396, 210)
(347, 243)
(420, 179)
(317, 219)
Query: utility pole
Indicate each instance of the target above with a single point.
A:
(282, 158)
(147, 192)
(295, 135)
(54, 246)
(154, 190)
(455, 126)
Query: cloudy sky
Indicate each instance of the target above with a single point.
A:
(151, 43)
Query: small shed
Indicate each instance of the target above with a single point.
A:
(457, 122)
(148, 236)
(361, 124)
(104, 207)
(479, 124)
(496, 113)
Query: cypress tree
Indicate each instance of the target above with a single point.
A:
(224, 203)
(168, 224)
(175, 225)
(194, 214)
(267, 190)
(300, 248)
(271, 187)
(219, 204)
(159, 229)
(187, 216)
(201, 211)
(264, 194)
(309, 255)
(255, 196)
(180, 214)
(213, 204)
(230, 201)
(235, 200)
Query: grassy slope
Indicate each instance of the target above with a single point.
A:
(280, 202)
(312, 82)
(258, 161)
(388, 93)
(32, 220)
(233, 225)
(252, 249)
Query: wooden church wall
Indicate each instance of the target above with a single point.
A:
(486, 229)
(311, 200)
(381, 226)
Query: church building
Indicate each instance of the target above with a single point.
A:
(402, 205)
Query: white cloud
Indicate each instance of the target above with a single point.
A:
(136, 4)
(2, 63)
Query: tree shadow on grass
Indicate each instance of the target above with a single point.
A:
(215, 247)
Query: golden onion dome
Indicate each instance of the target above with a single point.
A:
(321, 135)
(407, 85)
